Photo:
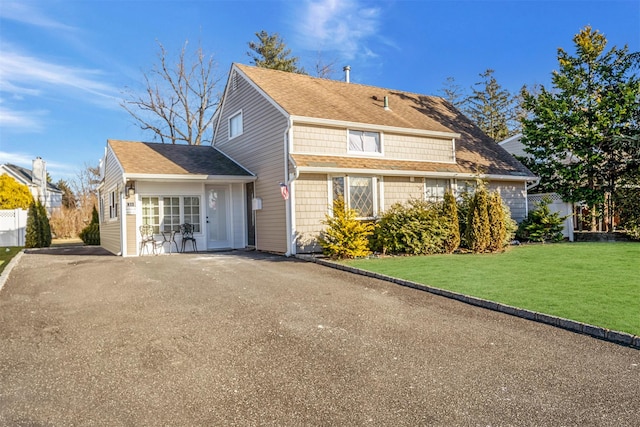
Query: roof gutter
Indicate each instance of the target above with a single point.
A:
(391, 172)
(188, 178)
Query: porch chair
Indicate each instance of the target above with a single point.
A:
(186, 230)
(146, 239)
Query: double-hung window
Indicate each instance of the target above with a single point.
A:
(235, 125)
(113, 205)
(434, 189)
(364, 142)
(359, 193)
(166, 213)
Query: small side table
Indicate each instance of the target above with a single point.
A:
(169, 237)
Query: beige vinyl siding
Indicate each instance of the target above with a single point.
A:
(400, 189)
(110, 229)
(310, 139)
(132, 234)
(260, 149)
(514, 194)
(311, 205)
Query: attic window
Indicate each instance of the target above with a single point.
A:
(364, 142)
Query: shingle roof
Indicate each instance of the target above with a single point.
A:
(174, 159)
(306, 160)
(27, 176)
(306, 96)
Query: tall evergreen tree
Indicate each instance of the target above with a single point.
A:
(450, 211)
(497, 226)
(68, 198)
(270, 51)
(478, 227)
(581, 132)
(491, 107)
(453, 93)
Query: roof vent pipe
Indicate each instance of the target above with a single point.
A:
(346, 69)
(386, 103)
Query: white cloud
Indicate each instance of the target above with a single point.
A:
(26, 14)
(338, 25)
(27, 75)
(20, 159)
(23, 120)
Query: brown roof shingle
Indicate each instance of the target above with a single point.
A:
(301, 95)
(174, 159)
(306, 160)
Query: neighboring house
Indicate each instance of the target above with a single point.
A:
(167, 185)
(515, 146)
(36, 179)
(303, 142)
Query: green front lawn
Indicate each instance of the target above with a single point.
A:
(6, 254)
(594, 283)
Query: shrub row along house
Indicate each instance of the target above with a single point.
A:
(285, 145)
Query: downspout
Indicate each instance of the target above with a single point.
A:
(533, 185)
(288, 203)
(123, 228)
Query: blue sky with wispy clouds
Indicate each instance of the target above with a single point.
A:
(64, 64)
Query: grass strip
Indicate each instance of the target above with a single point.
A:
(594, 283)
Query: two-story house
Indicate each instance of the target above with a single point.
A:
(302, 141)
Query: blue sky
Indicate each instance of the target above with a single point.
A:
(65, 64)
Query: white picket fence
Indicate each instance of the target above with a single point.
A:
(557, 205)
(13, 227)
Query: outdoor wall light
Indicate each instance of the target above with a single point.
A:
(130, 189)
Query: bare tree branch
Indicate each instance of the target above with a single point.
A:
(179, 99)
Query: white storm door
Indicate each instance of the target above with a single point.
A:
(218, 218)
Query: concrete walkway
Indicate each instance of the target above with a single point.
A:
(255, 339)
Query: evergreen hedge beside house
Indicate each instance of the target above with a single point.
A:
(38, 233)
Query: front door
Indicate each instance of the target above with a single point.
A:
(218, 217)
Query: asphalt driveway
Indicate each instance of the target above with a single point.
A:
(245, 338)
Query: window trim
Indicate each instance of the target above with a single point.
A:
(375, 190)
(437, 198)
(366, 153)
(231, 117)
(181, 205)
(113, 205)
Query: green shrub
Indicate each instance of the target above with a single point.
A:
(416, 228)
(38, 232)
(94, 216)
(450, 213)
(541, 225)
(627, 203)
(44, 225)
(90, 235)
(497, 226)
(345, 236)
(478, 227)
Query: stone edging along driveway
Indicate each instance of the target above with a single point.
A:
(621, 338)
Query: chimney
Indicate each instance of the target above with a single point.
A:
(39, 176)
(386, 103)
(346, 69)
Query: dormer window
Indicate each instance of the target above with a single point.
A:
(235, 125)
(364, 142)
